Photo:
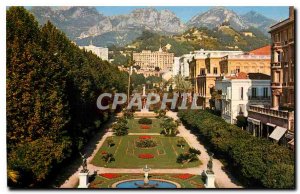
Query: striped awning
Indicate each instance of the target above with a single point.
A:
(278, 133)
(270, 124)
(254, 121)
(291, 142)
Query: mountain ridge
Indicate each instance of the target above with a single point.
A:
(83, 24)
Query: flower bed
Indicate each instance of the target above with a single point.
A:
(183, 176)
(104, 152)
(110, 175)
(145, 127)
(146, 156)
(145, 137)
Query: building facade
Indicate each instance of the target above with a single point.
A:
(277, 121)
(239, 91)
(101, 52)
(232, 64)
(149, 60)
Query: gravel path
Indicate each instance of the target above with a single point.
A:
(223, 180)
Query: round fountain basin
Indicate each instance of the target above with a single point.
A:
(134, 184)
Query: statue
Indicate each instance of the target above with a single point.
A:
(210, 164)
(84, 163)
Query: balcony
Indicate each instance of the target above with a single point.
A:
(259, 98)
(276, 65)
(271, 112)
(276, 85)
(277, 44)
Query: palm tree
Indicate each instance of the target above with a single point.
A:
(181, 85)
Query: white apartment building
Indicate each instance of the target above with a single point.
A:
(239, 91)
(101, 52)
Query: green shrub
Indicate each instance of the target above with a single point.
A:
(256, 162)
(145, 121)
(146, 143)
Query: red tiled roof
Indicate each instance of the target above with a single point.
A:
(266, 50)
(253, 76)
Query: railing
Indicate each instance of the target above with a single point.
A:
(276, 65)
(276, 84)
(270, 112)
(259, 97)
(277, 44)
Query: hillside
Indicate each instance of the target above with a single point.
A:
(222, 38)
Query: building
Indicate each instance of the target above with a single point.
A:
(204, 69)
(181, 65)
(253, 63)
(239, 91)
(247, 33)
(207, 66)
(101, 52)
(149, 60)
(277, 122)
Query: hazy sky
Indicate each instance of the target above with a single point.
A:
(186, 13)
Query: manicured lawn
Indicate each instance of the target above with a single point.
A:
(126, 153)
(135, 127)
(192, 182)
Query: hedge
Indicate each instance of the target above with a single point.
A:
(256, 162)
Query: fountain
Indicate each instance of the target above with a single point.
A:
(146, 183)
(146, 180)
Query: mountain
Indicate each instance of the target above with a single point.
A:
(216, 17)
(259, 21)
(83, 24)
(86, 24)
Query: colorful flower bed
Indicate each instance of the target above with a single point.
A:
(95, 184)
(145, 127)
(183, 176)
(110, 175)
(146, 156)
(145, 137)
(104, 152)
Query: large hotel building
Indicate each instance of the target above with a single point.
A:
(277, 122)
(207, 66)
(149, 60)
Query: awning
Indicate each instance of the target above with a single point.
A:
(278, 133)
(270, 124)
(291, 142)
(254, 121)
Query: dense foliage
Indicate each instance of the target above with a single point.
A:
(120, 127)
(200, 38)
(190, 156)
(52, 89)
(169, 127)
(257, 162)
(145, 121)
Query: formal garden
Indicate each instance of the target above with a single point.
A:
(162, 150)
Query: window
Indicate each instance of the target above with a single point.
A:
(241, 109)
(241, 93)
(215, 70)
(237, 69)
(253, 93)
(202, 71)
(265, 92)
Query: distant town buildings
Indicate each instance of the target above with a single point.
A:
(101, 52)
(277, 122)
(240, 90)
(150, 60)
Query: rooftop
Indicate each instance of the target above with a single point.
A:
(266, 50)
